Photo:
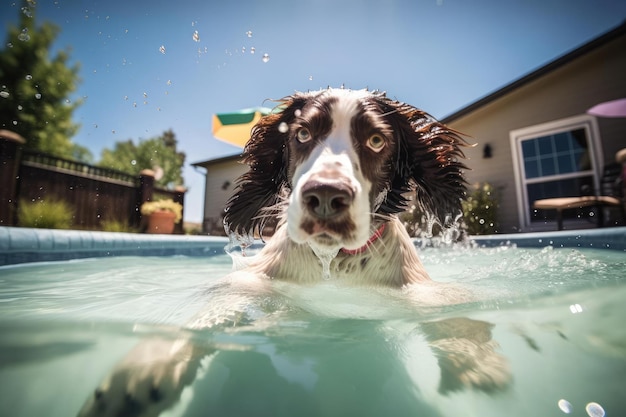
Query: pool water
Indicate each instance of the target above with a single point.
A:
(543, 336)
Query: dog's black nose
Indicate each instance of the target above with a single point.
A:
(326, 199)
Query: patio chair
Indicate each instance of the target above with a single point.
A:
(610, 196)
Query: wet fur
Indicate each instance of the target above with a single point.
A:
(420, 155)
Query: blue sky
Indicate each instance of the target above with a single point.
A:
(439, 55)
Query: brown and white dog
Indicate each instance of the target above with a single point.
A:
(334, 166)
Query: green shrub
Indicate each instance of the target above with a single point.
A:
(480, 210)
(45, 214)
(117, 226)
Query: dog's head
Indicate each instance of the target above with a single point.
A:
(334, 163)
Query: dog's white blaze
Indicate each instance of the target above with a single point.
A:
(334, 157)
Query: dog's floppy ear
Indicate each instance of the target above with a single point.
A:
(427, 160)
(259, 190)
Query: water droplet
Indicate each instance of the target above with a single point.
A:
(133, 162)
(249, 33)
(169, 82)
(265, 58)
(95, 126)
(134, 104)
(27, 12)
(68, 101)
(24, 36)
(20, 108)
(113, 131)
(162, 49)
(14, 122)
(594, 410)
(4, 94)
(310, 78)
(9, 45)
(252, 49)
(37, 96)
(565, 406)
(283, 127)
(196, 36)
(297, 113)
(29, 77)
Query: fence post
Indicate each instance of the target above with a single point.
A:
(179, 197)
(10, 156)
(144, 193)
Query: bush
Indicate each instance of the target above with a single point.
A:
(480, 210)
(45, 214)
(117, 226)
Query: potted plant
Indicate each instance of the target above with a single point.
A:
(162, 215)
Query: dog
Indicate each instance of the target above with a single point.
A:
(332, 168)
(335, 167)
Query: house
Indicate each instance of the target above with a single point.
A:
(221, 175)
(534, 138)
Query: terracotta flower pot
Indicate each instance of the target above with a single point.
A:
(161, 222)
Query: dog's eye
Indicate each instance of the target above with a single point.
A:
(376, 142)
(303, 134)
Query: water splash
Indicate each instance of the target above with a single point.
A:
(266, 58)
(326, 256)
(239, 242)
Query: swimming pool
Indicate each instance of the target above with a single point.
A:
(547, 335)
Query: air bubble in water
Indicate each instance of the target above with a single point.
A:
(162, 49)
(9, 45)
(24, 36)
(310, 78)
(37, 96)
(249, 33)
(565, 406)
(252, 49)
(4, 94)
(133, 162)
(196, 36)
(29, 77)
(594, 410)
(27, 12)
(266, 58)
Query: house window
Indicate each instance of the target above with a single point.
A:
(556, 159)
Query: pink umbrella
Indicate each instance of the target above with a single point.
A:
(613, 108)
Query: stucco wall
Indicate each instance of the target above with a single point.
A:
(568, 91)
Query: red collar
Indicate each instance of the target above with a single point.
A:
(377, 234)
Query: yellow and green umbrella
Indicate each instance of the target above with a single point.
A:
(235, 127)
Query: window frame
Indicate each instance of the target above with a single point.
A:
(587, 122)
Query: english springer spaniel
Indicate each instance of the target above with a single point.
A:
(334, 166)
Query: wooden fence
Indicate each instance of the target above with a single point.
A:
(96, 195)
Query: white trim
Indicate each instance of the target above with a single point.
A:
(517, 136)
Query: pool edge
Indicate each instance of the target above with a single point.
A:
(25, 245)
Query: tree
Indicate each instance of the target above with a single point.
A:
(35, 88)
(158, 153)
